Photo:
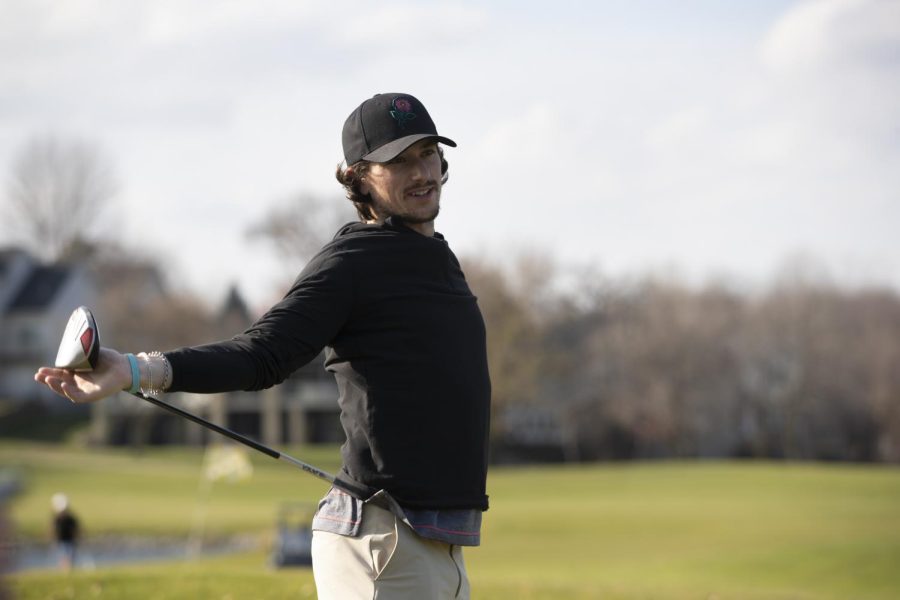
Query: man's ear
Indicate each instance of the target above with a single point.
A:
(364, 186)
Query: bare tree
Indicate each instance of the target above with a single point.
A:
(137, 308)
(299, 227)
(57, 190)
(513, 336)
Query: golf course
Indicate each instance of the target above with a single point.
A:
(637, 530)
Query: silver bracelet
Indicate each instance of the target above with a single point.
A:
(166, 382)
(146, 390)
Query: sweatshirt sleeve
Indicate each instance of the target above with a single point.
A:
(288, 336)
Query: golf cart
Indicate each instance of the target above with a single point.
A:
(293, 542)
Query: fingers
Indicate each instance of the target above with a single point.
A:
(65, 383)
(111, 375)
(72, 393)
(53, 379)
(47, 372)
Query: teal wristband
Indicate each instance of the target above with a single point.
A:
(135, 374)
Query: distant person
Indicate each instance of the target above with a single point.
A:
(405, 340)
(9, 487)
(65, 531)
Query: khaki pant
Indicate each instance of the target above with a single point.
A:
(386, 561)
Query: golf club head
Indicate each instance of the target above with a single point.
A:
(80, 345)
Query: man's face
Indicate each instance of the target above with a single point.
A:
(408, 187)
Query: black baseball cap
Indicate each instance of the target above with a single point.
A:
(384, 126)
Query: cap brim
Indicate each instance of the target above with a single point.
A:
(392, 149)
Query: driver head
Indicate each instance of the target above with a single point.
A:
(80, 345)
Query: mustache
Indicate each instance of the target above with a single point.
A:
(429, 183)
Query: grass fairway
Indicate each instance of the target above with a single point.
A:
(670, 531)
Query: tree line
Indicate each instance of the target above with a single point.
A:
(608, 369)
(653, 368)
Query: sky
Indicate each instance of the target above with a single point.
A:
(699, 139)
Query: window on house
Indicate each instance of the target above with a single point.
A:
(28, 338)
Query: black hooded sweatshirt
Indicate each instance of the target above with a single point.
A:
(405, 341)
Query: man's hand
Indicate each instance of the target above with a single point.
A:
(112, 374)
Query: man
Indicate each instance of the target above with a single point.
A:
(65, 531)
(405, 341)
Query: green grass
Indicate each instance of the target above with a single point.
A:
(689, 530)
(154, 492)
(228, 578)
(670, 531)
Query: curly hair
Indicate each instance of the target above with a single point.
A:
(350, 177)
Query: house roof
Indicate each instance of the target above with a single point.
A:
(234, 307)
(40, 288)
(7, 256)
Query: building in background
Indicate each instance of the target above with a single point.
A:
(36, 300)
(35, 303)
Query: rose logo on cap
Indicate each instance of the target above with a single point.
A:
(403, 111)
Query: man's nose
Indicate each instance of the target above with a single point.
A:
(419, 169)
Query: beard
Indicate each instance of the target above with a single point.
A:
(408, 217)
(385, 211)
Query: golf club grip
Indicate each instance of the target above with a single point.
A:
(210, 425)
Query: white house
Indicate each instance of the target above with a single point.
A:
(36, 300)
(35, 303)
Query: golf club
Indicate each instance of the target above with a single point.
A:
(80, 349)
(80, 345)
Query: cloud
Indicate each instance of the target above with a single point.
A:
(159, 22)
(533, 133)
(679, 128)
(694, 135)
(411, 26)
(833, 66)
(169, 21)
(829, 34)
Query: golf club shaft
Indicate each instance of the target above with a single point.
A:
(240, 438)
